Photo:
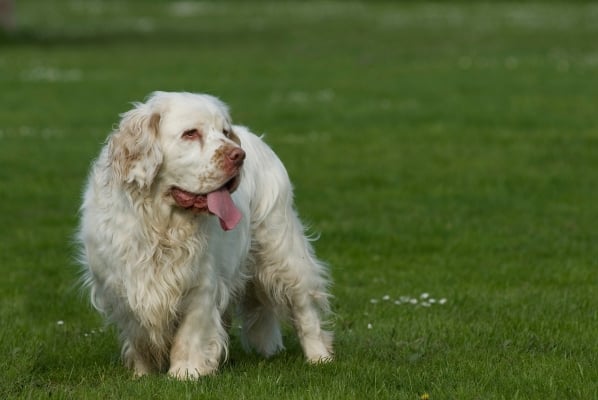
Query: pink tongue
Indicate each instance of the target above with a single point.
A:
(221, 204)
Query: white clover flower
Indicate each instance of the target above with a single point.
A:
(60, 323)
(424, 299)
(369, 326)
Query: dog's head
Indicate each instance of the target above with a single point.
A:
(183, 144)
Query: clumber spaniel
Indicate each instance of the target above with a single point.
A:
(186, 217)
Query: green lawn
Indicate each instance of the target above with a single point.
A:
(440, 148)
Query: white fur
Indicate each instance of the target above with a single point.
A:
(168, 277)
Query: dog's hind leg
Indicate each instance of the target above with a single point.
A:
(293, 278)
(261, 329)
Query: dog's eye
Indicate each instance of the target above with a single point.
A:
(191, 134)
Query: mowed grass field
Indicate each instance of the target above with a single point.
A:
(446, 154)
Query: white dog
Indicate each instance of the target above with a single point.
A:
(184, 217)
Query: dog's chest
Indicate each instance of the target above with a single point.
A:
(157, 284)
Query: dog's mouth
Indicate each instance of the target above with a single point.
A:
(217, 202)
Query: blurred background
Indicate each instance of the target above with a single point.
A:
(439, 148)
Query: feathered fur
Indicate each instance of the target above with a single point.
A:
(167, 276)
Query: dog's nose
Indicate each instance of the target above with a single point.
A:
(236, 155)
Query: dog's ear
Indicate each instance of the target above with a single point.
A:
(134, 149)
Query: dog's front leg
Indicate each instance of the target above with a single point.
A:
(200, 340)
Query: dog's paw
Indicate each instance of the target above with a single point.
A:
(318, 350)
(189, 372)
(184, 374)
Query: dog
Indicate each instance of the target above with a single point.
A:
(188, 221)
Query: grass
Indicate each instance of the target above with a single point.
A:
(441, 148)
